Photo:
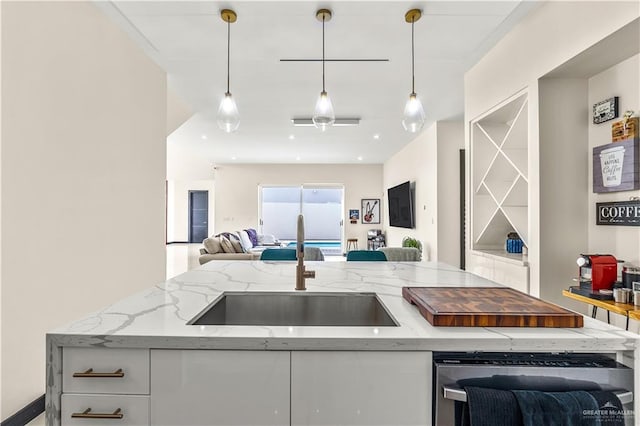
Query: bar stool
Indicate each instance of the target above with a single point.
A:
(352, 244)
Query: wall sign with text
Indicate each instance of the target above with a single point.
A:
(605, 110)
(622, 213)
(616, 166)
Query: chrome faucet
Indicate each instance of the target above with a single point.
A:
(301, 273)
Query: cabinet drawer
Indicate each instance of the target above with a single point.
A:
(126, 371)
(133, 409)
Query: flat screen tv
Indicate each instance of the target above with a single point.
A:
(400, 202)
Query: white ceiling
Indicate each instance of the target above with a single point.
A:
(188, 39)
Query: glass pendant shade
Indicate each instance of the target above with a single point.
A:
(228, 116)
(413, 115)
(323, 115)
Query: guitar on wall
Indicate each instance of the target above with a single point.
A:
(368, 215)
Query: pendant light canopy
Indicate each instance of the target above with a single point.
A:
(323, 115)
(413, 112)
(228, 116)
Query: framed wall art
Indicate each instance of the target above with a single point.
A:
(605, 110)
(370, 210)
(354, 215)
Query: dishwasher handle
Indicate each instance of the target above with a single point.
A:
(457, 394)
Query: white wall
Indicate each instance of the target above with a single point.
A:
(236, 200)
(416, 162)
(450, 142)
(83, 177)
(537, 45)
(186, 164)
(2, 416)
(431, 161)
(564, 184)
(621, 80)
(178, 208)
(177, 111)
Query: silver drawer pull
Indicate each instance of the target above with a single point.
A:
(457, 394)
(87, 414)
(90, 373)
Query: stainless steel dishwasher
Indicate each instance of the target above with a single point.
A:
(547, 372)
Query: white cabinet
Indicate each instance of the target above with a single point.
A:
(500, 192)
(210, 387)
(360, 388)
(115, 371)
(121, 410)
(499, 174)
(207, 387)
(105, 386)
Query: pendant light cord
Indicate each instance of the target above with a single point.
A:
(323, 52)
(413, 73)
(228, 51)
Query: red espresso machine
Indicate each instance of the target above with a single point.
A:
(597, 272)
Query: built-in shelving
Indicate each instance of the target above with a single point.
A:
(499, 162)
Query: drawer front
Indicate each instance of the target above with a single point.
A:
(124, 410)
(126, 371)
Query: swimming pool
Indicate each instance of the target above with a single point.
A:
(327, 247)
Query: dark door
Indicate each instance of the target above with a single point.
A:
(198, 216)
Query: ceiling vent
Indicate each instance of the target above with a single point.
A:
(308, 122)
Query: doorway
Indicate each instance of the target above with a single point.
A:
(321, 205)
(198, 216)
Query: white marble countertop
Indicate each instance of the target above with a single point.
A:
(157, 317)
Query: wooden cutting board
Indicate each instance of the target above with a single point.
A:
(487, 307)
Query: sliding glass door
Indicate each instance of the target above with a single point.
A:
(279, 210)
(322, 210)
(321, 205)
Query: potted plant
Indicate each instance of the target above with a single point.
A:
(412, 242)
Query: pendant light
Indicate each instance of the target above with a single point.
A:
(228, 116)
(323, 115)
(413, 112)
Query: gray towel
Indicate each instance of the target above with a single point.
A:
(557, 408)
(313, 253)
(402, 254)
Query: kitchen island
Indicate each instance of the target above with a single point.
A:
(283, 374)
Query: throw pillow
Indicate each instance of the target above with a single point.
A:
(227, 247)
(253, 236)
(237, 247)
(268, 239)
(212, 245)
(245, 241)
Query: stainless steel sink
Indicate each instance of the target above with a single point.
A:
(296, 309)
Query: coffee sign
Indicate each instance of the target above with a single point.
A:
(623, 213)
(616, 167)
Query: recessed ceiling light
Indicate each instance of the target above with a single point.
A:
(292, 137)
(376, 136)
(204, 137)
(360, 158)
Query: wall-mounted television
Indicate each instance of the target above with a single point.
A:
(400, 202)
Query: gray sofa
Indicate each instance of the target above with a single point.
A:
(310, 254)
(207, 257)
